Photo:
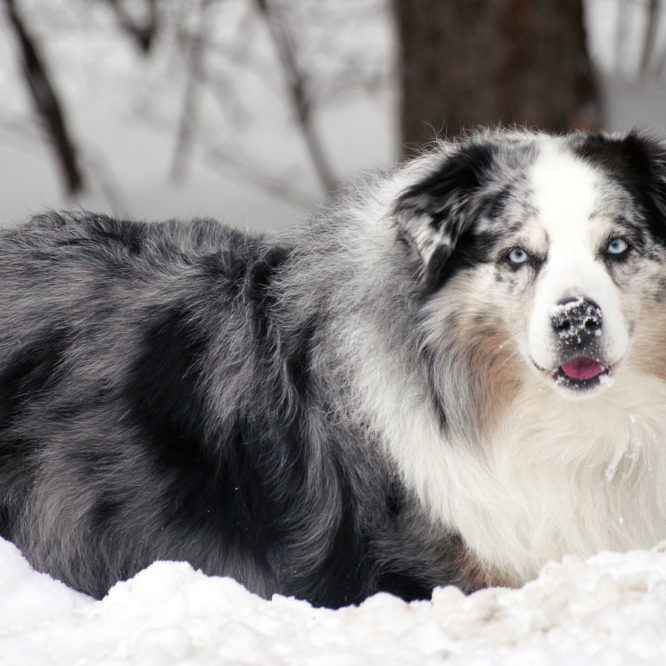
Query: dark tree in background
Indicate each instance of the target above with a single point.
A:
(465, 63)
(46, 101)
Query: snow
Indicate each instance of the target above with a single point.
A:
(606, 611)
(564, 309)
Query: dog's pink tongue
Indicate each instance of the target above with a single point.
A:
(582, 367)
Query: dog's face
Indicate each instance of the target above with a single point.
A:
(579, 265)
(557, 242)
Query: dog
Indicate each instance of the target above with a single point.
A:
(453, 374)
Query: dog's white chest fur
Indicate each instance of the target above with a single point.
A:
(574, 478)
(554, 478)
(551, 477)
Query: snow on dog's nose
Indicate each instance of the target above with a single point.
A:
(577, 322)
(577, 326)
(576, 342)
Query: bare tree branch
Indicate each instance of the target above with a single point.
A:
(239, 167)
(102, 177)
(188, 116)
(297, 89)
(46, 101)
(21, 134)
(620, 37)
(649, 40)
(142, 33)
(243, 169)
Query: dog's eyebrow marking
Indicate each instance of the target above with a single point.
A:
(621, 223)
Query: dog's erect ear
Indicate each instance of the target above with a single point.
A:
(433, 213)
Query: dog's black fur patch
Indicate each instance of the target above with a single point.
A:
(640, 165)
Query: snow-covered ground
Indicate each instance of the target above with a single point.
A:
(607, 611)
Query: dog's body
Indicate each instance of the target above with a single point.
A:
(452, 377)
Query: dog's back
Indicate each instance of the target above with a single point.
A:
(106, 444)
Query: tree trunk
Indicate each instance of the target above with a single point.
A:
(466, 63)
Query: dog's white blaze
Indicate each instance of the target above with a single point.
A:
(567, 195)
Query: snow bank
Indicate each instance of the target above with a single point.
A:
(607, 611)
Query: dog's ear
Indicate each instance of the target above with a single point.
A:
(433, 213)
(639, 162)
(647, 159)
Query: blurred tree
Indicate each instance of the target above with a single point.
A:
(142, 30)
(46, 100)
(465, 63)
(650, 38)
(297, 89)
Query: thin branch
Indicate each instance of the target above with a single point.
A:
(650, 37)
(620, 37)
(46, 101)
(100, 174)
(142, 33)
(297, 89)
(242, 169)
(20, 133)
(189, 110)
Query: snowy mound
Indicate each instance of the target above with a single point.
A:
(609, 610)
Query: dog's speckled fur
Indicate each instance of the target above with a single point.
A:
(374, 402)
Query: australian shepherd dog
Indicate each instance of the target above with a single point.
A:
(452, 375)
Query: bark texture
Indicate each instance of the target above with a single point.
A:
(466, 63)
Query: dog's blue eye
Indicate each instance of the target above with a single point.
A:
(617, 246)
(517, 256)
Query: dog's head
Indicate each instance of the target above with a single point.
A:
(559, 242)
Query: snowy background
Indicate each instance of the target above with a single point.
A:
(247, 165)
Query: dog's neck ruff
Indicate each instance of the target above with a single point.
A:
(575, 477)
(554, 477)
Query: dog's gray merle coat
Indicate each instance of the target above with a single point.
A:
(184, 391)
(161, 400)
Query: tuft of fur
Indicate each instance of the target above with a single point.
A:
(372, 402)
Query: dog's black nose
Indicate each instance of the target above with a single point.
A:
(577, 321)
